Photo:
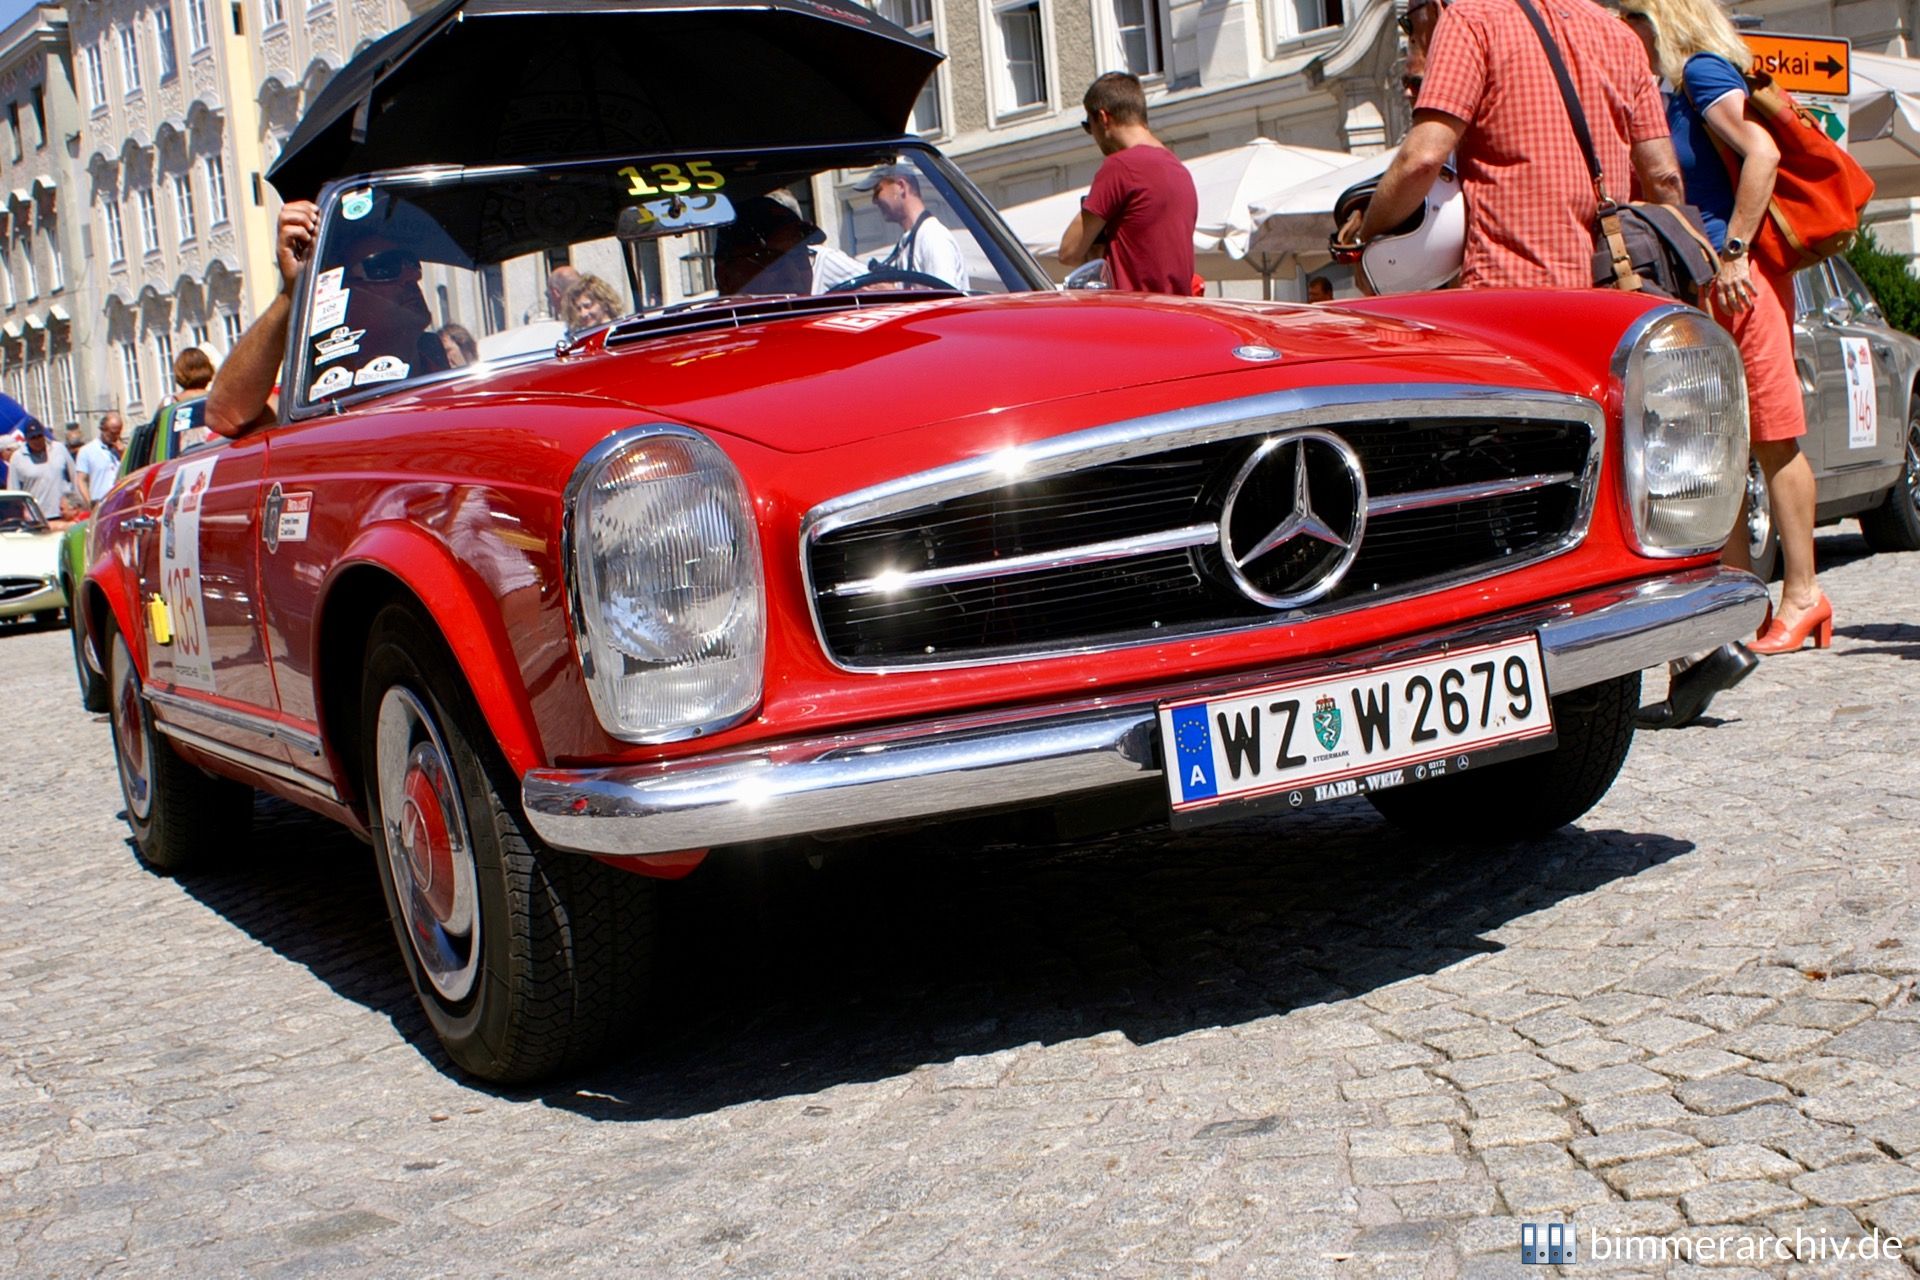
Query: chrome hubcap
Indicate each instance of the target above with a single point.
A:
(1913, 463)
(130, 730)
(429, 858)
(1759, 512)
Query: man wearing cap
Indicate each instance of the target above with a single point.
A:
(925, 245)
(43, 468)
(98, 461)
(769, 249)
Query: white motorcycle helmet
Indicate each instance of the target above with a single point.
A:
(1425, 251)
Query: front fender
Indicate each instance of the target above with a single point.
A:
(111, 593)
(467, 616)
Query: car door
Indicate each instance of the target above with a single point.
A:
(1871, 341)
(196, 553)
(1821, 362)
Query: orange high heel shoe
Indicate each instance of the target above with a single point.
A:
(1817, 621)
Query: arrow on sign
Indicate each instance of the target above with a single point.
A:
(1830, 65)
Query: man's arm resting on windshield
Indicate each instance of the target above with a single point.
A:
(1078, 240)
(1407, 180)
(237, 402)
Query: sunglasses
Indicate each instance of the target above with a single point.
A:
(1405, 20)
(388, 266)
(1086, 126)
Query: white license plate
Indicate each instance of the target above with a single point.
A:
(1302, 741)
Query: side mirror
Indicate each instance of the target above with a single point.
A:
(1090, 275)
(1837, 310)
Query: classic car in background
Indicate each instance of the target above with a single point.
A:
(1858, 376)
(176, 429)
(823, 547)
(29, 561)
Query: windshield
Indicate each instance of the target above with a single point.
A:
(20, 514)
(429, 274)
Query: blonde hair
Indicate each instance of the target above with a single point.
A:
(1682, 28)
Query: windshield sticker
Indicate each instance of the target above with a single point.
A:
(180, 574)
(382, 369)
(286, 517)
(341, 342)
(328, 283)
(331, 310)
(356, 205)
(331, 383)
(672, 179)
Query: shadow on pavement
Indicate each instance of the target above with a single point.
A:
(780, 980)
(1889, 639)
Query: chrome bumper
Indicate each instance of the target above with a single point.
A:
(46, 599)
(1003, 759)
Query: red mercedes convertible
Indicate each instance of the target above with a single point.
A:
(731, 529)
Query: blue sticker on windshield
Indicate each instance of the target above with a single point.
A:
(356, 205)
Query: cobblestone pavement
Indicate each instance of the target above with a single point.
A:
(1304, 1046)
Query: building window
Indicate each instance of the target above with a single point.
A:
(149, 221)
(39, 117)
(130, 57)
(130, 372)
(13, 130)
(163, 43)
(57, 276)
(1311, 15)
(216, 190)
(229, 328)
(198, 333)
(116, 236)
(272, 12)
(43, 393)
(198, 33)
(96, 79)
(6, 276)
(915, 17)
(69, 393)
(183, 206)
(27, 267)
(1136, 29)
(1021, 64)
(163, 352)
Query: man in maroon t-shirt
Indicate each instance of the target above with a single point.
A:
(1142, 208)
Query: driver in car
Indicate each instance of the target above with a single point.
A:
(386, 307)
(925, 247)
(770, 249)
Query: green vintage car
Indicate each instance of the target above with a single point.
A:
(178, 428)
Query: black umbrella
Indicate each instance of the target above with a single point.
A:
(515, 81)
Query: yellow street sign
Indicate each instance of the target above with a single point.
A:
(1802, 64)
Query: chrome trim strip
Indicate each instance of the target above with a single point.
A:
(1223, 420)
(1454, 494)
(245, 721)
(249, 760)
(1193, 535)
(1008, 757)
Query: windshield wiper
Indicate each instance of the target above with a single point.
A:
(719, 313)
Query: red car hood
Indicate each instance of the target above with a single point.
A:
(821, 382)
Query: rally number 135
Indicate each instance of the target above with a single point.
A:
(672, 179)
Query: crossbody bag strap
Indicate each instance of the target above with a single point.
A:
(1609, 215)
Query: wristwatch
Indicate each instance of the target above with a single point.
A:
(1736, 248)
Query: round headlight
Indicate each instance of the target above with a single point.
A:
(665, 562)
(1683, 396)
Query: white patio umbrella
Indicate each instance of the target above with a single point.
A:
(1883, 132)
(1224, 181)
(1298, 219)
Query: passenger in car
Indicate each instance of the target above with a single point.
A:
(769, 249)
(589, 303)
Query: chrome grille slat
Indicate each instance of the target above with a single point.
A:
(1109, 537)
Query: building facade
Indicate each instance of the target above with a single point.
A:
(47, 319)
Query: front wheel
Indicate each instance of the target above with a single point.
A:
(1534, 794)
(1894, 525)
(93, 685)
(183, 820)
(526, 961)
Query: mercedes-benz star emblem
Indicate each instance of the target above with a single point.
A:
(1293, 518)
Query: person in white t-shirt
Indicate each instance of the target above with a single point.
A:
(44, 469)
(99, 460)
(926, 246)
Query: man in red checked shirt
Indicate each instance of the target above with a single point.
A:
(1489, 99)
(1142, 207)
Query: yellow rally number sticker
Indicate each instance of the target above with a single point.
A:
(668, 179)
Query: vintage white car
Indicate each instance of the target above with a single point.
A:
(29, 561)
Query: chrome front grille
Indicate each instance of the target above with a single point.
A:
(16, 588)
(1112, 537)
